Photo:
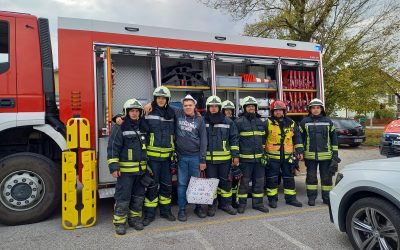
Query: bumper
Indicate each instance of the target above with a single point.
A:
(389, 150)
(344, 139)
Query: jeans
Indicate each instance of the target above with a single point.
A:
(188, 165)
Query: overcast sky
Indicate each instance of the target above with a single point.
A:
(180, 14)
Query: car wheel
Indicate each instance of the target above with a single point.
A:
(30, 188)
(373, 223)
(354, 145)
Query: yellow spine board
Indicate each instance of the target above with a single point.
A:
(88, 212)
(84, 133)
(69, 200)
(72, 133)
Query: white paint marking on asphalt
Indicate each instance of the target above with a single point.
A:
(286, 236)
(197, 235)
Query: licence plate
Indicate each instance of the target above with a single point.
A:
(396, 142)
(358, 140)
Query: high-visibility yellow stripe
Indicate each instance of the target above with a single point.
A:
(135, 214)
(218, 158)
(326, 188)
(312, 187)
(224, 145)
(132, 164)
(298, 145)
(165, 200)
(159, 149)
(234, 147)
(172, 142)
(157, 154)
(241, 195)
(245, 156)
(112, 160)
(335, 148)
(219, 153)
(151, 139)
(225, 194)
(289, 191)
(130, 157)
(149, 203)
(252, 133)
(272, 191)
(254, 195)
(119, 219)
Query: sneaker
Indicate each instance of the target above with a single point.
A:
(229, 209)
(211, 211)
(262, 209)
(200, 212)
(147, 221)
(182, 215)
(120, 229)
(168, 216)
(294, 203)
(273, 203)
(241, 208)
(311, 203)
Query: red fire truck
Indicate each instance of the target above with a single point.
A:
(102, 64)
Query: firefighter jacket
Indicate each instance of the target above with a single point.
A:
(283, 139)
(252, 137)
(161, 133)
(319, 138)
(223, 140)
(126, 149)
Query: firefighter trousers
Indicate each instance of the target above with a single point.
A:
(275, 167)
(312, 180)
(129, 196)
(221, 171)
(255, 173)
(160, 191)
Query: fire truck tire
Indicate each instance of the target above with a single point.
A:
(30, 188)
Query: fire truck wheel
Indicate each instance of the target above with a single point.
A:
(30, 188)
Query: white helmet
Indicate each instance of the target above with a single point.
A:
(189, 97)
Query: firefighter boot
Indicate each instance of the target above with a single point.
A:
(261, 209)
(294, 203)
(136, 223)
(168, 216)
(241, 208)
(311, 203)
(120, 229)
(229, 209)
(212, 208)
(147, 221)
(273, 203)
(200, 212)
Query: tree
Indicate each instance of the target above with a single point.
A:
(359, 39)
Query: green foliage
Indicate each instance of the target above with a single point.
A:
(385, 114)
(359, 38)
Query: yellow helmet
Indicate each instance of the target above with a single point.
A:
(213, 100)
(162, 91)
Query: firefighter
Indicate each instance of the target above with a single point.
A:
(321, 145)
(222, 152)
(251, 145)
(228, 108)
(126, 157)
(283, 140)
(159, 152)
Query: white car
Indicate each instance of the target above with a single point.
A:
(365, 203)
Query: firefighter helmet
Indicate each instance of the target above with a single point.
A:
(162, 91)
(316, 102)
(228, 105)
(132, 104)
(248, 100)
(278, 105)
(213, 100)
